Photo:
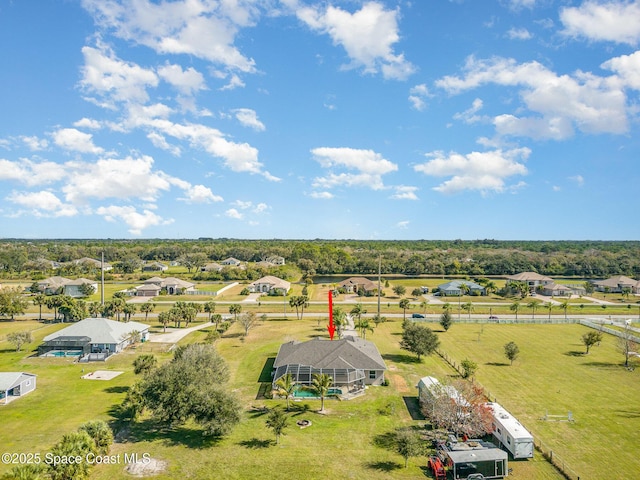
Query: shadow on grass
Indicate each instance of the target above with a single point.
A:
(574, 353)
(611, 366)
(265, 374)
(385, 440)
(400, 358)
(387, 466)
(117, 389)
(150, 431)
(628, 413)
(413, 407)
(256, 443)
(233, 335)
(498, 364)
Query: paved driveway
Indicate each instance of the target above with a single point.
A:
(174, 335)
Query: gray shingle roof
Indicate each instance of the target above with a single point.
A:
(8, 380)
(99, 330)
(349, 352)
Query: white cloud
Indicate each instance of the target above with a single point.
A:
(418, 96)
(560, 103)
(519, 34)
(88, 123)
(75, 140)
(627, 67)
(200, 194)
(160, 141)
(113, 79)
(43, 204)
(403, 224)
(249, 118)
(135, 220)
(469, 115)
(369, 165)
(187, 81)
(34, 143)
(201, 28)
(404, 192)
(517, 4)
(614, 21)
(112, 178)
(367, 35)
(234, 213)
(321, 195)
(31, 173)
(482, 171)
(578, 179)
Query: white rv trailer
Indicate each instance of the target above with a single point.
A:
(508, 430)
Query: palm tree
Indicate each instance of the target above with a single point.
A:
(210, 308)
(468, 307)
(423, 305)
(464, 290)
(285, 387)
(514, 307)
(129, 309)
(549, 307)
(277, 421)
(564, 305)
(94, 309)
(39, 299)
(404, 304)
(235, 310)
(339, 320)
(147, 308)
(490, 287)
(357, 311)
(321, 384)
(533, 305)
(363, 325)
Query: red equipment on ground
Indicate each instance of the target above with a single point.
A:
(437, 468)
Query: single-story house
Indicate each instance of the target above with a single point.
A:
(233, 262)
(617, 284)
(351, 362)
(15, 384)
(270, 284)
(94, 336)
(61, 285)
(154, 267)
(148, 290)
(354, 284)
(275, 260)
(454, 288)
(211, 267)
(532, 279)
(557, 290)
(171, 285)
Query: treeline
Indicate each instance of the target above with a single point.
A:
(584, 259)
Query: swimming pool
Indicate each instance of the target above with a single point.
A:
(63, 353)
(302, 393)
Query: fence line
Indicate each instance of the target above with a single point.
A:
(612, 331)
(548, 454)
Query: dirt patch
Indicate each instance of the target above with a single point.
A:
(101, 375)
(146, 468)
(399, 383)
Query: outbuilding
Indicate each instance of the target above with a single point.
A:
(15, 384)
(510, 433)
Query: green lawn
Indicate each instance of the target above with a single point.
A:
(551, 374)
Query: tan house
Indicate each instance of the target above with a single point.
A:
(354, 284)
(171, 285)
(617, 284)
(556, 290)
(270, 284)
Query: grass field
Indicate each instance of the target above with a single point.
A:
(551, 374)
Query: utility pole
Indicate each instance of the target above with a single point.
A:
(102, 279)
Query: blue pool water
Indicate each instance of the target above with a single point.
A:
(301, 393)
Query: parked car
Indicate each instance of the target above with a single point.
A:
(417, 315)
(493, 317)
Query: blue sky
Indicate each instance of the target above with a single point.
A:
(422, 119)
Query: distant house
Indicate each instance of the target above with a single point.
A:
(61, 285)
(275, 260)
(617, 284)
(271, 285)
(100, 336)
(233, 262)
(351, 362)
(211, 267)
(15, 384)
(171, 285)
(556, 290)
(532, 279)
(154, 267)
(355, 284)
(455, 288)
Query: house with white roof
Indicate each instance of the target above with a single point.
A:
(271, 285)
(15, 384)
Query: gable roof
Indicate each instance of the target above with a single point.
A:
(456, 284)
(617, 281)
(99, 330)
(359, 281)
(528, 277)
(8, 380)
(349, 352)
(274, 282)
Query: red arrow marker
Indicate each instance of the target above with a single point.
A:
(331, 327)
